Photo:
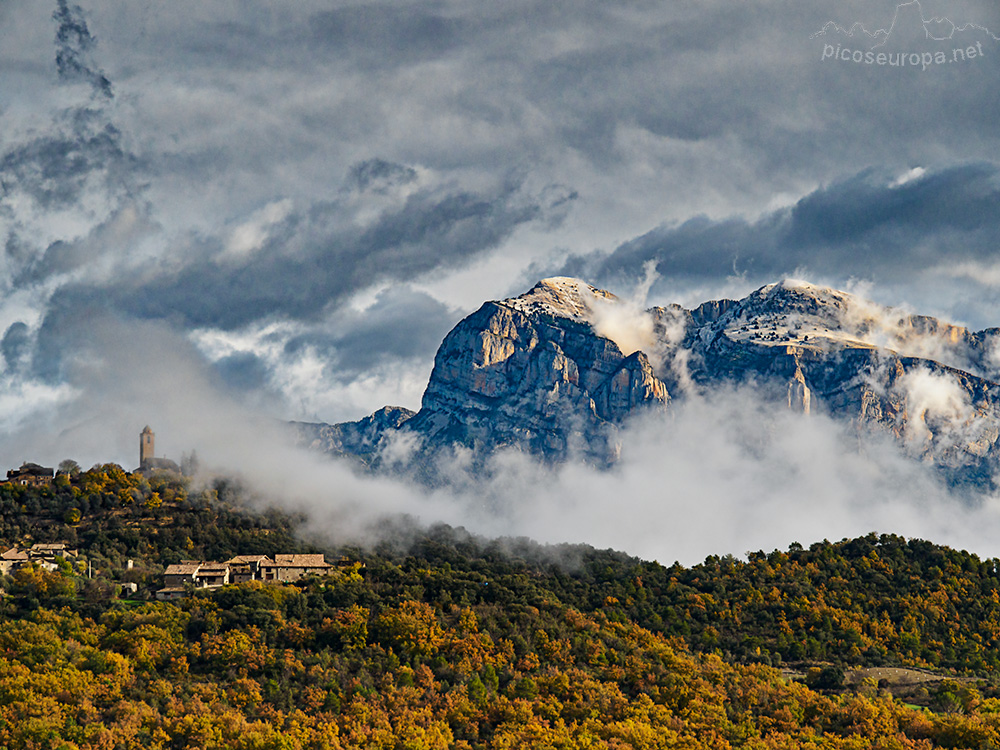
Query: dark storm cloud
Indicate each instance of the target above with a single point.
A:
(379, 175)
(54, 168)
(961, 199)
(17, 251)
(387, 34)
(594, 91)
(861, 226)
(14, 345)
(78, 163)
(315, 259)
(724, 103)
(401, 323)
(74, 45)
(117, 235)
(243, 371)
(67, 322)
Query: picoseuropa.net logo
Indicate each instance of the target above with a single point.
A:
(910, 41)
(922, 60)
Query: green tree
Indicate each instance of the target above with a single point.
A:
(35, 582)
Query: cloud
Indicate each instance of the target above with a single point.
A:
(111, 248)
(250, 235)
(388, 35)
(69, 190)
(243, 371)
(864, 212)
(307, 261)
(933, 398)
(400, 323)
(867, 226)
(728, 473)
(340, 367)
(379, 175)
(626, 321)
(82, 152)
(74, 44)
(15, 345)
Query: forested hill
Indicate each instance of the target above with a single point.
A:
(446, 640)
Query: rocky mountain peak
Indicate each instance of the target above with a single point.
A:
(792, 296)
(561, 297)
(798, 313)
(793, 311)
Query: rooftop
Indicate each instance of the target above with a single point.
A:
(301, 561)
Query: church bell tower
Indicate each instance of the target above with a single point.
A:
(146, 440)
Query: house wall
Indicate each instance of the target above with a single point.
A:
(30, 480)
(287, 574)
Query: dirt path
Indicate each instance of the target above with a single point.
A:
(897, 675)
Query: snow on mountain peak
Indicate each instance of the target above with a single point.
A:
(561, 296)
(790, 312)
(798, 313)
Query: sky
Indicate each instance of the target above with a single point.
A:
(216, 217)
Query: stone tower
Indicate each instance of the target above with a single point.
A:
(146, 440)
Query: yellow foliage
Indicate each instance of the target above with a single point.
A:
(413, 627)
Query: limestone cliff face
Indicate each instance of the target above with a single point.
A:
(556, 373)
(532, 372)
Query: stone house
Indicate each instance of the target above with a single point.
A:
(292, 567)
(180, 577)
(31, 475)
(243, 568)
(169, 593)
(13, 559)
(43, 555)
(51, 551)
(181, 573)
(212, 575)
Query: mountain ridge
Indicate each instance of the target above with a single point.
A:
(558, 370)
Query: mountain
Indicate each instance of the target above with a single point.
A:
(557, 371)
(360, 439)
(930, 384)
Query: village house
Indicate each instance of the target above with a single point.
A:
(292, 567)
(211, 575)
(186, 574)
(169, 593)
(31, 475)
(180, 577)
(43, 555)
(12, 559)
(181, 573)
(51, 551)
(243, 568)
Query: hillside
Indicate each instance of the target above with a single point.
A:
(441, 639)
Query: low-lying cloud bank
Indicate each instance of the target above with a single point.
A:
(727, 473)
(730, 472)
